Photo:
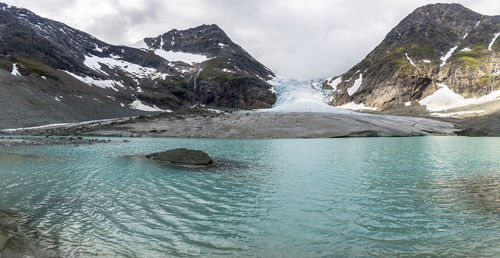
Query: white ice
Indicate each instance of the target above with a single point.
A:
(301, 96)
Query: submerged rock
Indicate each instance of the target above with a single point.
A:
(5, 236)
(8, 227)
(182, 157)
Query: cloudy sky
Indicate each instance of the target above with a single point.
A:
(295, 38)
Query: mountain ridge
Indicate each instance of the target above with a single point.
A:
(435, 45)
(64, 74)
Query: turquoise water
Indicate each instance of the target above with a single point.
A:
(290, 198)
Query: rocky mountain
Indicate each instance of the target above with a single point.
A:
(441, 57)
(50, 72)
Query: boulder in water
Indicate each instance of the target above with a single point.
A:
(182, 157)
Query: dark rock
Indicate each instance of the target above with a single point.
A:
(182, 157)
(367, 134)
(479, 126)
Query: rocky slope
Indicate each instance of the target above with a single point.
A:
(441, 56)
(50, 72)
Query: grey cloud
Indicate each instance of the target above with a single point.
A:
(296, 38)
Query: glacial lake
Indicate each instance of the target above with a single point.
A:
(434, 196)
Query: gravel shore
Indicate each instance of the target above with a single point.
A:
(249, 124)
(21, 141)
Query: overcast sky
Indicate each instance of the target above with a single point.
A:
(295, 38)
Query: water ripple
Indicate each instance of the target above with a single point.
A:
(369, 197)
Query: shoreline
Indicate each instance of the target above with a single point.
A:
(250, 125)
(8, 141)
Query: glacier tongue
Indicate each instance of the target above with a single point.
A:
(301, 96)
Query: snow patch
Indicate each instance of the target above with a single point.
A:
(407, 104)
(335, 83)
(141, 45)
(94, 62)
(411, 61)
(356, 85)
(68, 125)
(221, 45)
(15, 71)
(445, 98)
(447, 56)
(97, 48)
(490, 46)
(104, 84)
(466, 50)
(427, 61)
(162, 42)
(181, 56)
(354, 106)
(138, 105)
(457, 114)
(173, 56)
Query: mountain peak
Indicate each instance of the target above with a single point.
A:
(62, 68)
(454, 17)
(455, 7)
(209, 40)
(210, 32)
(435, 45)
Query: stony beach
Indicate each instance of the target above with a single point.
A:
(251, 124)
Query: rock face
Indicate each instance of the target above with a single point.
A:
(183, 157)
(436, 45)
(51, 72)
